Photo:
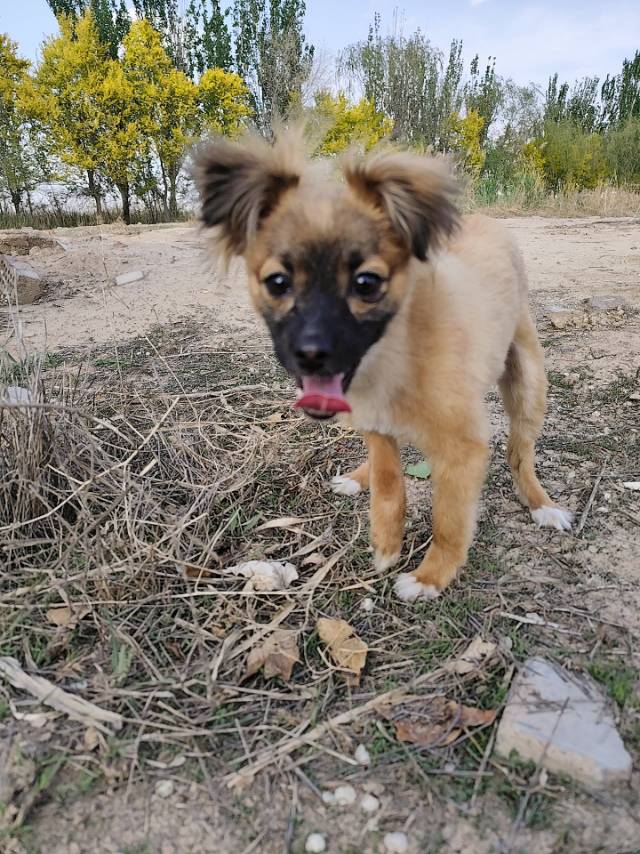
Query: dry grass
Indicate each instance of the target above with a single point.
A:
(136, 476)
(604, 201)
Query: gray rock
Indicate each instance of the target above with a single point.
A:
(562, 720)
(606, 303)
(129, 278)
(17, 276)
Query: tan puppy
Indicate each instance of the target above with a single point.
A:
(392, 311)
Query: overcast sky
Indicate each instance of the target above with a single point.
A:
(530, 40)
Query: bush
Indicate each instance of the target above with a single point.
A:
(623, 152)
(572, 158)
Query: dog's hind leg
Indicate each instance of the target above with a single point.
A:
(353, 482)
(523, 386)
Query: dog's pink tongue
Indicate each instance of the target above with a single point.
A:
(324, 394)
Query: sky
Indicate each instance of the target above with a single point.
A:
(530, 40)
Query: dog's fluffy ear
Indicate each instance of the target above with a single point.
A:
(416, 194)
(240, 183)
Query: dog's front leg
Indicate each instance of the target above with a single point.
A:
(459, 467)
(386, 482)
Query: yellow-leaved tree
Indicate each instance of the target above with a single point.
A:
(345, 123)
(16, 161)
(66, 98)
(466, 138)
(224, 102)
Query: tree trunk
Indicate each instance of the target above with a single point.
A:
(165, 208)
(124, 195)
(29, 202)
(16, 200)
(94, 192)
(173, 197)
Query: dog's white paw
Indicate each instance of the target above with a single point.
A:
(342, 485)
(408, 588)
(553, 517)
(383, 562)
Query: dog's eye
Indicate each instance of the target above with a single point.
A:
(278, 284)
(368, 286)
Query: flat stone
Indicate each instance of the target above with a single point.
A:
(561, 316)
(18, 276)
(129, 278)
(606, 303)
(561, 720)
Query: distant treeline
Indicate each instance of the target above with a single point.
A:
(116, 100)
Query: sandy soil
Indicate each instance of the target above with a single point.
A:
(569, 261)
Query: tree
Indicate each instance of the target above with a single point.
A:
(483, 95)
(17, 163)
(467, 141)
(579, 105)
(224, 102)
(621, 94)
(111, 18)
(207, 37)
(272, 55)
(67, 97)
(407, 80)
(572, 158)
(348, 123)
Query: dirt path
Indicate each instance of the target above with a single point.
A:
(586, 587)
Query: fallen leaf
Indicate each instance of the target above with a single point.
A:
(477, 651)
(632, 484)
(264, 575)
(66, 616)
(277, 655)
(421, 470)
(314, 559)
(276, 418)
(282, 522)
(91, 738)
(347, 650)
(438, 722)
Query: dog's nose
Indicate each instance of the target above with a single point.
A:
(311, 356)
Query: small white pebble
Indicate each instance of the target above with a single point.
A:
(362, 755)
(315, 843)
(396, 843)
(164, 788)
(607, 496)
(369, 803)
(345, 796)
(367, 605)
(328, 798)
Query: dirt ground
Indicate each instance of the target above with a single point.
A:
(586, 585)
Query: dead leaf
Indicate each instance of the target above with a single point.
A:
(67, 616)
(437, 723)
(477, 651)
(347, 650)
(91, 738)
(265, 575)
(282, 522)
(277, 655)
(276, 418)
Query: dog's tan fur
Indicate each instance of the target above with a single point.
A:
(461, 325)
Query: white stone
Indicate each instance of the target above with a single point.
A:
(328, 798)
(129, 278)
(345, 796)
(16, 395)
(164, 788)
(396, 842)
(606, 303)
(367, 605)
(369, 803)
(362, 755)
(561, 720)
(316, 843)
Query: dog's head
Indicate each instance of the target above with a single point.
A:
(327, 260)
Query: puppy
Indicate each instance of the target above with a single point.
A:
(395, 313)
